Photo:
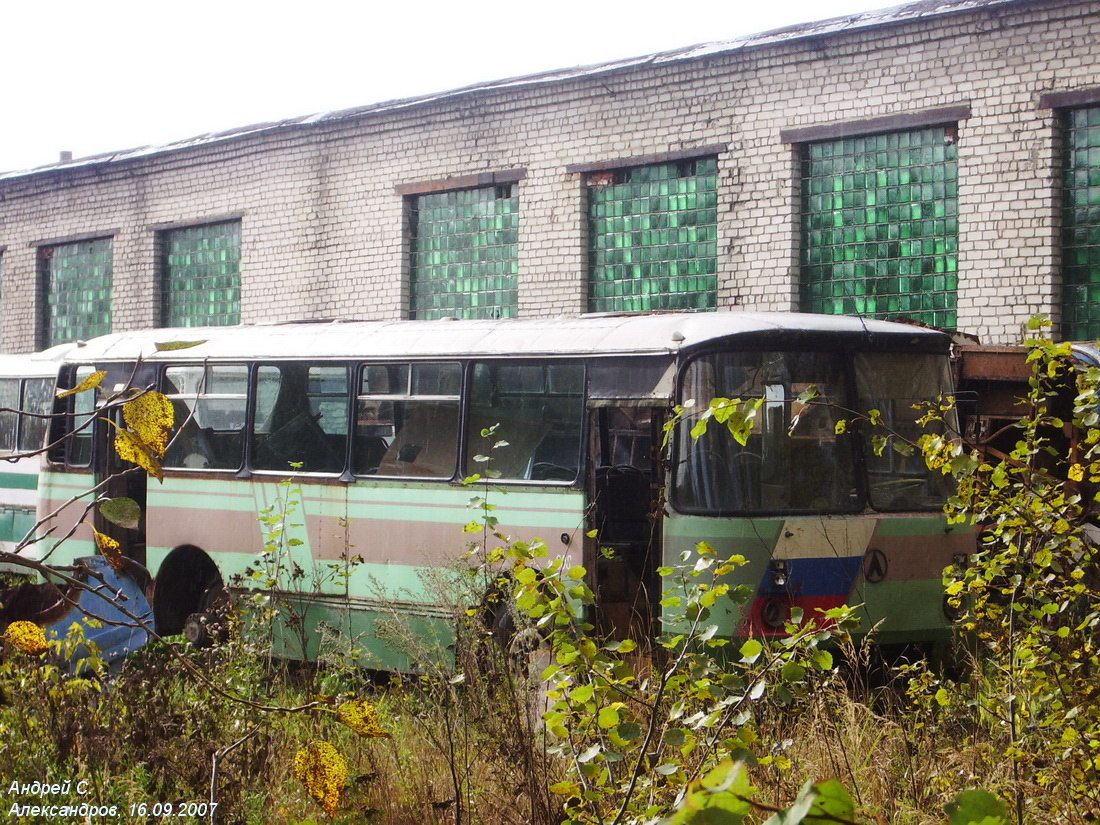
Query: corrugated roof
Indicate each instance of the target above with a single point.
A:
(590, 335)
(882, 17)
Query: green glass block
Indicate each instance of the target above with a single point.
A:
(473, 269)
(1081, 225)
(665, 233)
(892, 216)
(200, 275)
(78, 282)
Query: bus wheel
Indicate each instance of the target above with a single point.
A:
(209, 625)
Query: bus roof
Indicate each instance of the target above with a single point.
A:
(34, 364)
(586, 335)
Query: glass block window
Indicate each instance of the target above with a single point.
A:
(880, 226)
(1081, 225)
(201, 271)
(465, 253)
(77, 279)
(653, 237)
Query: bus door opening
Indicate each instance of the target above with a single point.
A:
(121, 479)
(625, 511)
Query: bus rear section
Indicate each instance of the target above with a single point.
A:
(827, 508)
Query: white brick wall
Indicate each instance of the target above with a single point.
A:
(323, 229)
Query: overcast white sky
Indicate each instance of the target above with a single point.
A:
(91, 76)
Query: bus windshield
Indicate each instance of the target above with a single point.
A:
(794, 460)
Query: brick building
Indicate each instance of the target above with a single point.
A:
(939, 160)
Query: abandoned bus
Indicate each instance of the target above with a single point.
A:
(382, 421)
(26, 386)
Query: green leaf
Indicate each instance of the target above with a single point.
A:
(809, 394)
(878, 444)
(751, 650)
(833, 801)
(718, 798)
(607, 718)
(977, 808)
(629, 731)
(581, 694)
(796, 813)
(675, 737)
(589, 753)
(125, 512)
(793, 672)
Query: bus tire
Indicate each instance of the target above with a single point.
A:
(209, 626)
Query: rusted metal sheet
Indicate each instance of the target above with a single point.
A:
(987, 363)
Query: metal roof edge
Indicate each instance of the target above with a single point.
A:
(921, 9)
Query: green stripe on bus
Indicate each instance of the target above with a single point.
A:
(444, 504)
(395, 490)
(372, 581)
(15, 523)
(700, 528)
(19, 481)
(933, 524)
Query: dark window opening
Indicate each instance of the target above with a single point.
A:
(537, 409)
(406, 420)
(210, 408)
(301, 418)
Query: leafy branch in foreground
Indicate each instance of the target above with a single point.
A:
(1029, 598)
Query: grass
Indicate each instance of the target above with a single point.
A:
(460, 751)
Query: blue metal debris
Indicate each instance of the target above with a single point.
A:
(107, 593)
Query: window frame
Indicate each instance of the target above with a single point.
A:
(45, 252)
(255, 367)
(206, 366)
(467, 447)
(356, 396)
(163, 235)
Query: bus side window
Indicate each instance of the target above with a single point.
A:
(37, 399)
(9, 418)
(210, 406)
(539, 410)
(306, 423)
(406, 420)
(82, 426)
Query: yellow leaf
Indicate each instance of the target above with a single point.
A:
(109, 549)
(362, 717)
(324, 772)
(130, 448)
(1076, 472)
(150, 417)
(169, 346)
(27, 636)
(91, 382)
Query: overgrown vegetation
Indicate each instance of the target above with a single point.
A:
(542, 721)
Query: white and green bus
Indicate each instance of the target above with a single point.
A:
(26, 400)
(382, 422)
